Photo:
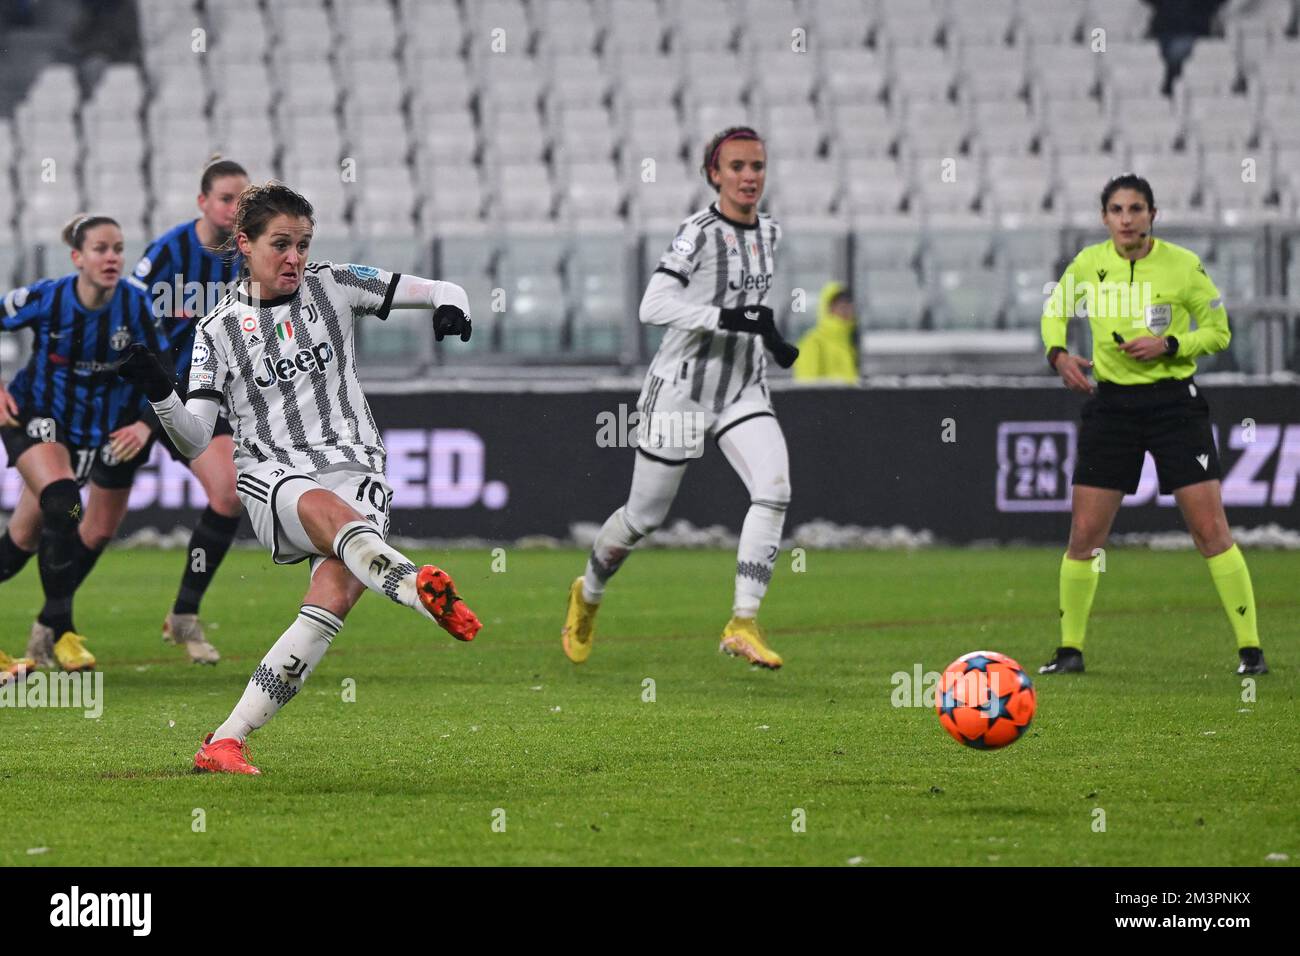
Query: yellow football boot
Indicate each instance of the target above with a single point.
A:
(70, 651)
(742, 637)
(579, 625)
(14, 668)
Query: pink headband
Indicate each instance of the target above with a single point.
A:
(739, 134)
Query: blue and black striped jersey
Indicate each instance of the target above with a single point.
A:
(184, 280)
(71, 375)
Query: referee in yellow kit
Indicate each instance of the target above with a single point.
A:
(1141, 294)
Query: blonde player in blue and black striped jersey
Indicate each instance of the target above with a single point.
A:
(708, 378)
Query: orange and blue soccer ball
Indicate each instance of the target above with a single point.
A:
(985, 700)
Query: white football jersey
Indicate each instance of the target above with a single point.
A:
(286, 369)
(724, 263)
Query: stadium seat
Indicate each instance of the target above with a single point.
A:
(514, 136)
(647, 80)
(988, 23)
(1222, 122)
(967, 298)
(1211, 69)
(633, 27)
(865, 130)
(853, 76)
(454, 196)
(874, 186)
(591, 194)
(566, 26)
(367, 30)
(793, 131)
(674, 193)
(701, 27)
(1060, 71)
(1121, 19)
(1074, 126)
(839, 23)
(599, 283)
(922, 73)
(523, 192)
(933, 128)
(1017, 185)
(1052, 23)
(1132, 69)
(807, 187)
(576, 80)
(889, 298)
(992, 73)
(1004, 127)
(795, 83)
(906, 24)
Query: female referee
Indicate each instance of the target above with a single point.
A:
(1141, 294)
(278, 352)
(708, 377)
(185, 273)
(66, 419)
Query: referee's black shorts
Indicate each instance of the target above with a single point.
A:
(1169, 418)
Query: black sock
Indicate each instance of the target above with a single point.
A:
(57, 562)
(208, 546)
(12, 558)
(84, 559)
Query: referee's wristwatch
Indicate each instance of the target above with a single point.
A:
(1171, 346)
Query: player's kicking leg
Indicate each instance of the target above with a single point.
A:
(351, 556)
(755, 447)
(654, 485)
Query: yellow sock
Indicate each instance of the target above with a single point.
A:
(1232, 581)
(1078, 587)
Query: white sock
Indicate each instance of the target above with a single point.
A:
(283, 670)
(383, 569)
(654, 486)
(760, 542)
(616, 539)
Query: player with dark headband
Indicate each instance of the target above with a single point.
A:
(186, 271)
(1141, 294)
(709, 376)
(66, 418)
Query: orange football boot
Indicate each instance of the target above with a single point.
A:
(227, 755)
(438, 595)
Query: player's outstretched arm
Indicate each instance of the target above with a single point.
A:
(449, 302)
(189, 425)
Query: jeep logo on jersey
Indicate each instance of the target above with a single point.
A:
(314, 359)
(121, 338)
(748, 281)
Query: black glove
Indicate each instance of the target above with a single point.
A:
(782, 351)
(143, 370)
(759, 320)
(752, 319)
(449, 320)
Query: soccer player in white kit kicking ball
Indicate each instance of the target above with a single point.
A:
(278, 351)
(708, 377)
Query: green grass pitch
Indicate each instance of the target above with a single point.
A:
(443, 740)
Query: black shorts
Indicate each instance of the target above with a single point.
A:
(97, 465)
(222, 427)
(1170, 419)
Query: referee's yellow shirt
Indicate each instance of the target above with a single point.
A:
(1158, 294)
